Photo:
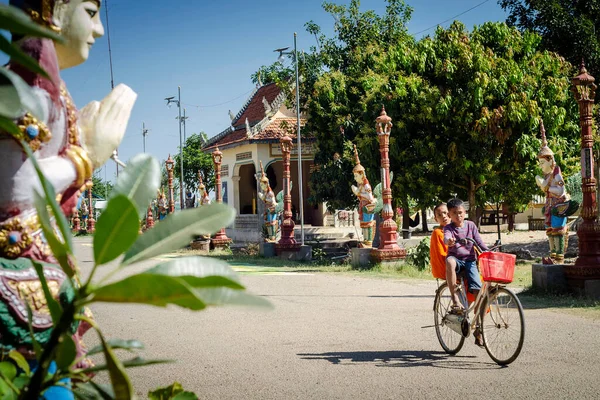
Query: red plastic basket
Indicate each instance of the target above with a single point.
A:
(497, 267)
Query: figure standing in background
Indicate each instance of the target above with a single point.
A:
(268, 197)
(558, 206)
(366, 202)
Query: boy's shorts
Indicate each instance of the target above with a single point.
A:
(468, 269)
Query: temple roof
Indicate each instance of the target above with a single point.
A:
(256, 122)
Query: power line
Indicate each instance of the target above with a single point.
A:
(220, 104)
(452, 18)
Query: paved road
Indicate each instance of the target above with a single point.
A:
(343, 337)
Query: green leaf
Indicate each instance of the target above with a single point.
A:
(156, 290)
(135, 362)
(118, 377)
(226, 296)
(58, 248)
(17, 55)
(199, 272)
(12, 85)
(8, 370)
(53, 306)
(118, 344)
(7, 125)
(15, 20)
(61, 220)
(19, 360)
(36, 346)
(185, 396)
(93, 391)
(139, 181)
(10, 102)
(165, 393)
(178, 229)
(116, 229)
(66, 352)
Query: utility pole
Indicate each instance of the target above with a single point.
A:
(184, 118)
(144, 134)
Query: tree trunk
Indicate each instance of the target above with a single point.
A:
(424, 220)
(471, 195)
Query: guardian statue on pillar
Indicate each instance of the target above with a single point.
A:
(366, 202)
(268, 197)
(558, 205)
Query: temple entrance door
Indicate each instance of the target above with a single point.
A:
(247, 189)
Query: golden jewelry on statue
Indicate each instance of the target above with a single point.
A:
(32, 131)
(82, 163)
(72, 131)
(15, 237)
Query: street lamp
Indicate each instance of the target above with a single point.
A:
(178, 102)
(282, 52)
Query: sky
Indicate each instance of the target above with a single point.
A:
(210, 49)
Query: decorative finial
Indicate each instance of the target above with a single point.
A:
(358, 167)
(200, 177)
(231, 116)
(543, 133)
(266, 105)
(544, 149)
(263, 177)
(248, 129)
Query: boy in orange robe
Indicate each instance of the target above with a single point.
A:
(437, 248)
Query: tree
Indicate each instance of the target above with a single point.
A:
(194, 160)
(101, 188)
(570, 28)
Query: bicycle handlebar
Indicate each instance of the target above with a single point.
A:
(495, 247)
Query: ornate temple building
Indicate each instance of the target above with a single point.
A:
(253, 136)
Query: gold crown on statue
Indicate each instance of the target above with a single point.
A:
(358, 167)
(263, 177)
(544, 150)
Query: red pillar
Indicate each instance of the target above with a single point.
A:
(91, 225)
(587, 266)
(388, 247)
(220, 240)
(170, 163)
(287, 240)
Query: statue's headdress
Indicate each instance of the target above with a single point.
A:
(357, 167)
(40, 11)
(544, 150)
(200, 184)
(263, 177)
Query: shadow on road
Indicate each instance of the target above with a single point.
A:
(402, 358)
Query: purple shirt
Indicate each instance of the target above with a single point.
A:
(464, 252)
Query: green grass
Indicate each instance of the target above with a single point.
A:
(532, 298)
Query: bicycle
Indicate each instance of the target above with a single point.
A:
(496, 311)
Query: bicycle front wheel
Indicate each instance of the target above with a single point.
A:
(503, 326)
(450, 340)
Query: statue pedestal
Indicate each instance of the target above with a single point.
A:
(361, 257)
(290, 251)
(388, 255)
(220, 243)
(202, 245)
(549, 277)
(266, 249)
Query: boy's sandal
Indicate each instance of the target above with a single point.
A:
(478, 338)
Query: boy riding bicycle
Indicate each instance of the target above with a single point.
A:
(461, 254)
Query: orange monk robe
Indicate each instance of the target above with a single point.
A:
(437, 253)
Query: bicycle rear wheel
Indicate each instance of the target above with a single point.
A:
(503, 326)
(450, 340)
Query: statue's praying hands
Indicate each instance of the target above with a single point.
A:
(103, 124)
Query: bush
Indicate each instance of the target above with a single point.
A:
(419, 256)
